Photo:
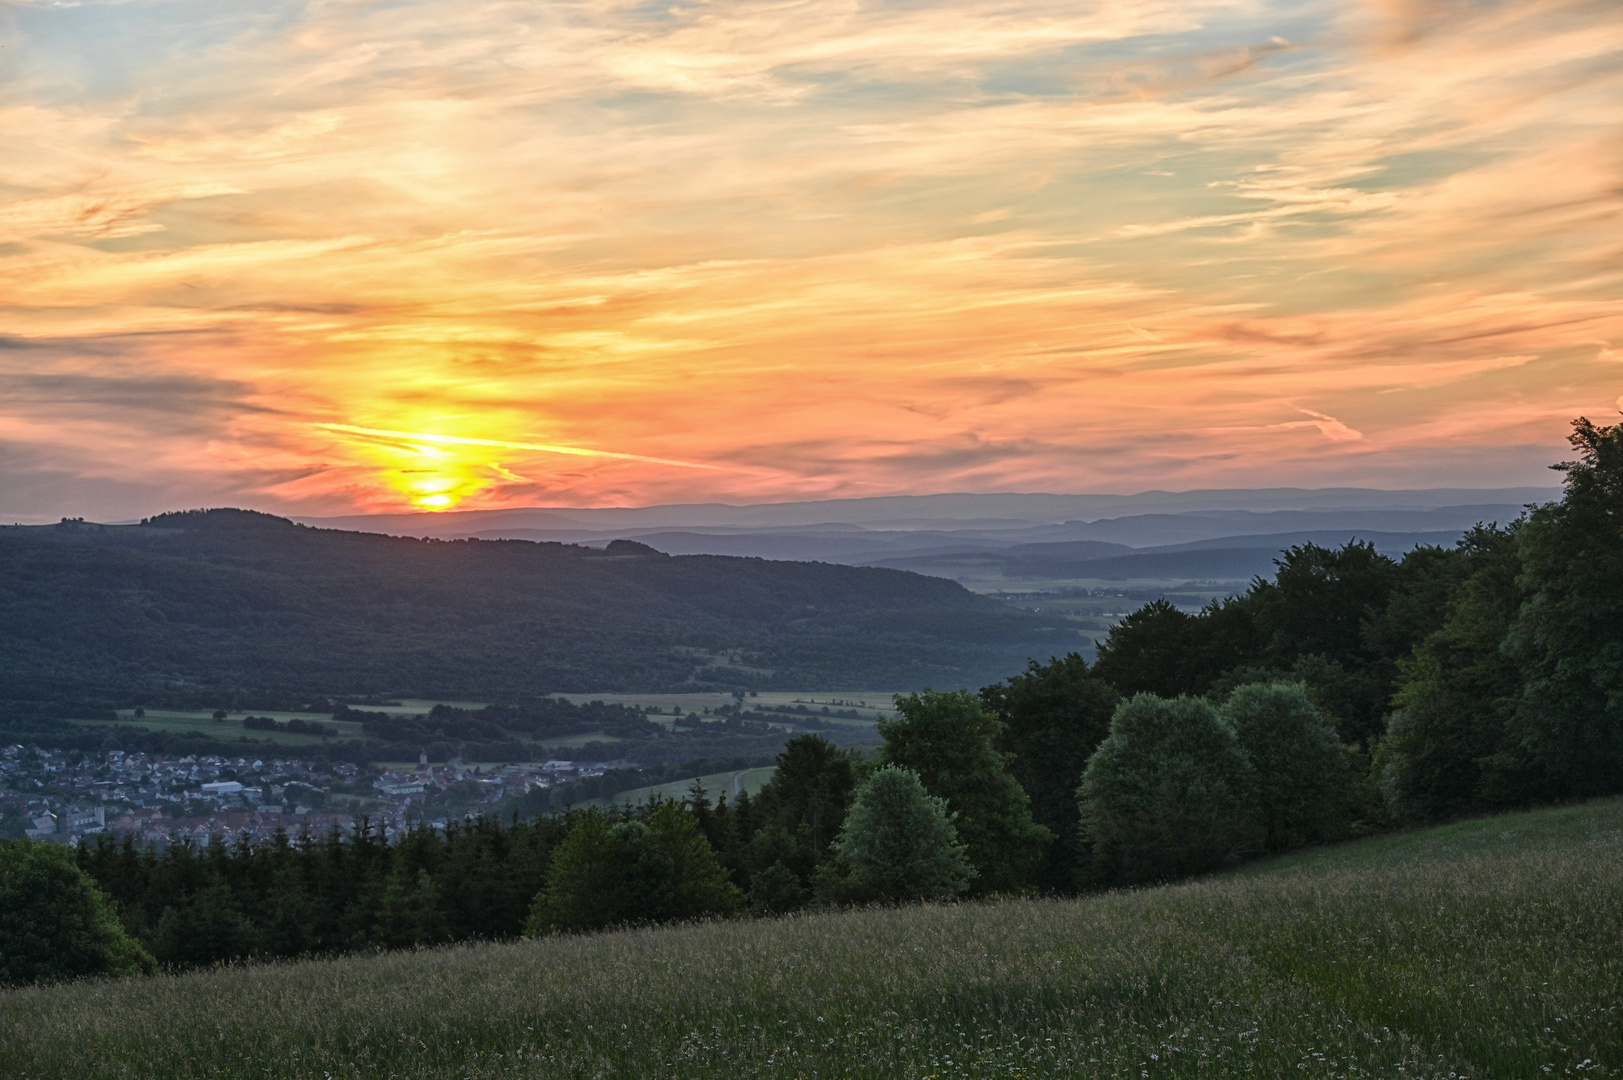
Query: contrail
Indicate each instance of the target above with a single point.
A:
(550, 448)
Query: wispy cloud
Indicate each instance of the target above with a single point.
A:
(810, 247)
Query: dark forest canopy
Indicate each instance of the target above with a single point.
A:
(204, 604)
(1483, 676)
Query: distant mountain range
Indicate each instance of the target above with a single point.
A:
(1215, 536)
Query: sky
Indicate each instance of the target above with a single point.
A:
(338, 257)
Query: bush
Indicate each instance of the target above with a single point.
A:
(206, 928)
(898, 843)
(1303, 778)
(775, 890)
(54, 923)
(608, 873)
(1168, 793)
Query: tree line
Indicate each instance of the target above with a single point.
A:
(1350, 693)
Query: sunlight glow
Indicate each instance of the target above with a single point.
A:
(466, 466)
(367, 258)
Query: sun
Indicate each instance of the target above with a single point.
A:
(440, 488)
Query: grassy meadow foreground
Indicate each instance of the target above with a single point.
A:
(1489, 948)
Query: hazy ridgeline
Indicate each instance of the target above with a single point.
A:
(1483, 949)
(245, 610)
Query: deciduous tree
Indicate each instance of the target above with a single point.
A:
(1568, 633)
(1168, 793)
(1302, 777)
(1054, 717)
(898, 843)
(947, 739)
(611, 873)
(54, 922)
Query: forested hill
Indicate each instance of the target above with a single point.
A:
(203, 602)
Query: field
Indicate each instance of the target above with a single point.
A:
(229, 729)
(1492, 948)
(722, 783)
(869, 706)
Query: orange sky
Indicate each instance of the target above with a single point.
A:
(333, 256)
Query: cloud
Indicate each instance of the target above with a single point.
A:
(414, 440)
(831, 247)
(95, 394)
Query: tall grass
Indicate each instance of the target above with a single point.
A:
(1491, 949)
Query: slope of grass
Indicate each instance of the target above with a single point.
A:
(1486, 949)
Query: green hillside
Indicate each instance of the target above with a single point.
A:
(1488, 948)
(200, 608)
(729, 783)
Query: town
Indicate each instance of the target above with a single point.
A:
(64, 796)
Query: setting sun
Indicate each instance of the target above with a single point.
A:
(622, 256)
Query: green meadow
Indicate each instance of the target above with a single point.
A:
(1488, 948)
(730, 784)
